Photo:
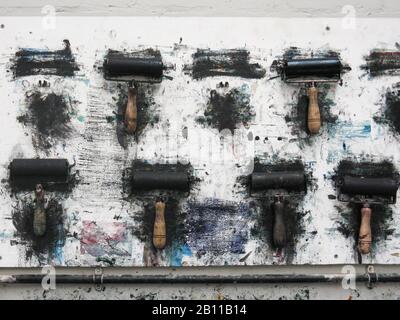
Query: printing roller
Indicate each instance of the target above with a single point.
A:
(160, 181)
(281, 183)
(133, 70)
(34, 171)
(312, 71)
(36, 174)
(364, 190)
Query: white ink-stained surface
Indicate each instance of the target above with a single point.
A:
(101, 225)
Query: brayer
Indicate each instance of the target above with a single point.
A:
(144, 180)
(367, 191)
(279, 185)
(312, 71)
(38, 174)
(133, 70)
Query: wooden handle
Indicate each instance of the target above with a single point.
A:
(279, 231)
(314, 116)
(365, 235)
(131, 111)
(159, 232)
(39, 214)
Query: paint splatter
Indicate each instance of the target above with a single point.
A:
(104, 241)
(227, 111)
(234, 62)
(29, 62)
(350, 217)
(54, 238)
(48, 114)
(390, 115)
(217, 226)
(263, 205)
(382, 62)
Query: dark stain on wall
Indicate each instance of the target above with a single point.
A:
(390, 113)
(231, 62)
(48, 114)
(382, 62)
(262, 202)
(39, 246)
(227, 110)
(350, 216)
(29, 62)
(216, 226)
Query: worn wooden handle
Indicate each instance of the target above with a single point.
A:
(314, 116)
(365, 235)
(39, 214)
(279, 231)
(159, 232)
(131, 111)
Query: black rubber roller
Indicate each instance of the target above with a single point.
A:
(289, 180)
(369, 186)
(149, 180)
(124, 67)
(318, 67)
(23, 171)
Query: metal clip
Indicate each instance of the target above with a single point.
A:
(372, 276)
(98, 279)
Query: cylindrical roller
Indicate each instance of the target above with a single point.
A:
(289, 180)
(318, 67)
(141, 67)
(148, 180)
(369, 186)
(39, 170)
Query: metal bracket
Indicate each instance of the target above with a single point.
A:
(98, 278)
(372, 276)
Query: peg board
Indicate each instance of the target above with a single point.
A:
(217, 223)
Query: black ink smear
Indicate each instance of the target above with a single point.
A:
(226, 111)
(234, 62)
(29, 62)
(382, 62)
(55, 234)
(390, 114)
(48, 114)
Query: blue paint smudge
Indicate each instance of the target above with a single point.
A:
(348, 130)
(178, 252)
(59, 247)
(218, 226)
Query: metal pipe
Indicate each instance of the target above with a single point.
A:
(197, 279)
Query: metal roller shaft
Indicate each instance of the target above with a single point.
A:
(319, 67)
(39, 170)
(369, 186)
(144, 67)
(290, 180)
(148, 180)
